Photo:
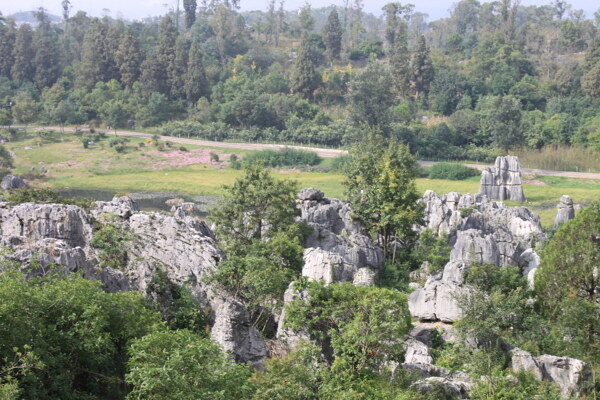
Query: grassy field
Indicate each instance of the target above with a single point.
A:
(145, 168)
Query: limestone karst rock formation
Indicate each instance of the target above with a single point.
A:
(480, 232)
(566, 211)
(180, 245)
(503, 180)
(337, 250)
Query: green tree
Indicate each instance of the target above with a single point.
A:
(400, 60)
(196, 83)
(77, 332)
(380, 185)
(567, 281)
(96, 60)
(365, 324)
(370, 96)
(190, 12)
(24, 109)
(46, 59)
(332, 35)
(113, 113)
(256, 206)
(129, 58)
(307, 22)
(165, 55)
(500, 120)
(421, 68)
(305, 78)
(7, 46)
(23, 68)
(181, 365)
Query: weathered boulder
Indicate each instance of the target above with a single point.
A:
(566, 211)
(436, 300)
(450, 388)
(233, 330)
(416, 352)
(10, 182)
(503, 181)
(121, 206)
(572, 376)
(310, 194)
(522, 360)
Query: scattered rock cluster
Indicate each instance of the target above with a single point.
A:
(503, 181)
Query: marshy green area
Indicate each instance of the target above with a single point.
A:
(145, 166)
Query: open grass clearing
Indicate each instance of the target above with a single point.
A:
(146, 169)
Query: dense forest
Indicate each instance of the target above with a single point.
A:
(489, 77)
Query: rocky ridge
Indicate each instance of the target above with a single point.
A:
(180, 245)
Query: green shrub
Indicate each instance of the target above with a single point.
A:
(286, 157)
(112, 241)
(44, 196)
(340, 163)
(451, 171)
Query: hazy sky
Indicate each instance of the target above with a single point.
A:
(142, 8)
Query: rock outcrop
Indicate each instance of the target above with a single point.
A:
(338, 248)
(179, 245)
(10, 182)
(503, 181)
(572, 376)
(566, 211)
(480, 232)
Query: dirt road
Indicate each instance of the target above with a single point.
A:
(326, 153)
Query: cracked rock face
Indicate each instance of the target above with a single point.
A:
(503, 181)
(181, 246)
(338, 248)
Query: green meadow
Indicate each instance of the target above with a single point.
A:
(144, 167)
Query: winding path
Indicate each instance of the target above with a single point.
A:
(323, 152)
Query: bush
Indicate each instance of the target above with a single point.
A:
(287, 157)
(112, 241)
(183, 149)
(451, 171)
(44, 196)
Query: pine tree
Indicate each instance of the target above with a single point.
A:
(95, 65)
(332, 36)
(46, 60)
(167, 39)
(196, 84)
(306, 19)
(421, 68)
(305, 78)
(190, 12)
(7, 44)
(180, 67)
(23, 69)
(129, 58)
(400, 61)
(590, 83)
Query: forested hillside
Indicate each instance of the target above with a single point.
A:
(487, 78)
